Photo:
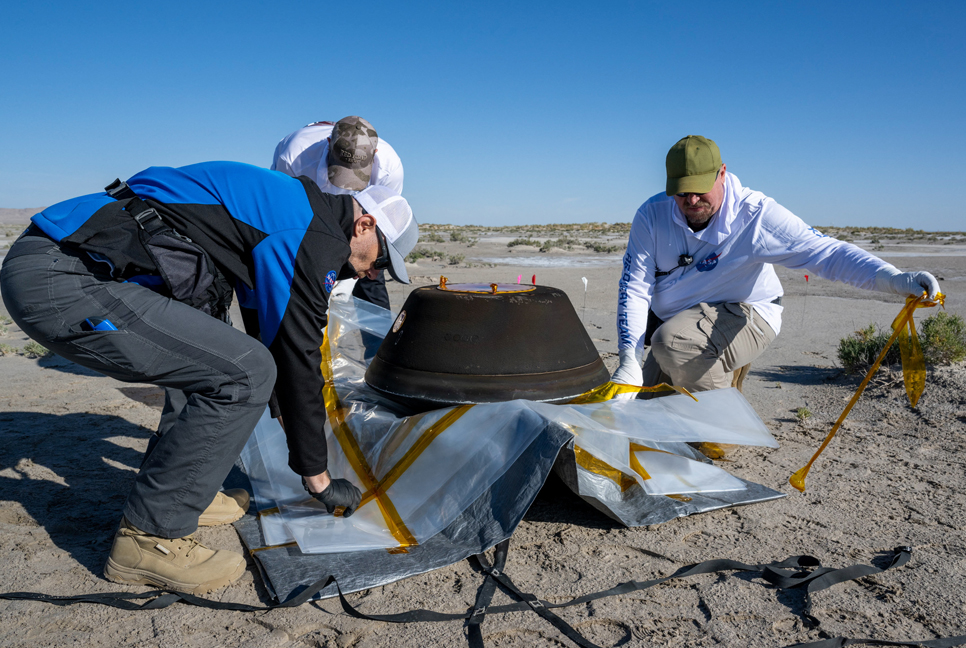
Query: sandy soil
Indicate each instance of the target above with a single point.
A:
(70, 442)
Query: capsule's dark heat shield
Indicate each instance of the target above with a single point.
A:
(452, 344)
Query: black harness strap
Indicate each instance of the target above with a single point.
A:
(157, 599)
(796, 572)
(805, 571)
(707, 567)
(839, 642)
(478, 613)
(540, 607)
(824, 577)
(485, 594)
(146, 217)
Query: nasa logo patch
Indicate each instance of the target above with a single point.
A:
(399, 322)
(329, 281)
(709, 263)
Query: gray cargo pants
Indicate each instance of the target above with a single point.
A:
(222, 377)
(700, 348)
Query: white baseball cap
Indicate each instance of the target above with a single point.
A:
(395, 220)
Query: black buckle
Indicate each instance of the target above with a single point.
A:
(147, 218)
(119, 190)
(143, 217)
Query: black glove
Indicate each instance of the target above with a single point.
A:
(339, 492)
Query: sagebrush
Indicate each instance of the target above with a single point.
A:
(942, 337)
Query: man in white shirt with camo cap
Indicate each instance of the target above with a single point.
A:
(698, 277)
(343, 157)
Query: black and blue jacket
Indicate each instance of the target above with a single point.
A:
(280, 240)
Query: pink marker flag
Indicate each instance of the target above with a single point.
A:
(519, 278)
(534, 281)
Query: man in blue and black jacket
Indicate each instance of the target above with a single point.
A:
(135, 282)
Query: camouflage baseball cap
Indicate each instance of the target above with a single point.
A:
(352, 146)
(692, 165)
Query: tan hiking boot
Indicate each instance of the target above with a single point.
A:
(227, 507)
(181, 564)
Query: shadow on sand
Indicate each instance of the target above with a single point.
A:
(798, 375)
(71, 473)
(557, 503)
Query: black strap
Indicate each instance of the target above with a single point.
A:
(684, 261)
(707, 567)
(161, 598)
(805, 571)
(485, 594)
(824, 577)
(540, 607)
(476, 614)
(146, 217)
(119, 190)
(839, 642)
(795, 572)
(495, 575)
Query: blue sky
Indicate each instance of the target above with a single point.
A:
(847, 113)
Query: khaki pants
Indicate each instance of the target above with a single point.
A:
(700, 348)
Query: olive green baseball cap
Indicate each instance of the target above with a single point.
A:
(692, 165)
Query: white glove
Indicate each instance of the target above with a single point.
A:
(890, 280)
(629, 372)
(343, 290)
(625, 396)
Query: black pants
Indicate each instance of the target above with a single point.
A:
(224, 377)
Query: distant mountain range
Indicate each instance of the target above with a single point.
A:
(18, 216)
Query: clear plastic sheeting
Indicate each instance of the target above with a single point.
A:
(671, 474)
(418, 473)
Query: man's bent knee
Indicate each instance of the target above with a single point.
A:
(259, 375)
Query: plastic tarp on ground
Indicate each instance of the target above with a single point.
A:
(440, 486)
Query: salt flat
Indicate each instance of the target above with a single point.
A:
(70, 442)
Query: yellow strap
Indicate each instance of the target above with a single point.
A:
(915, 379)
(287, 544)
(590, 463)
(913, 361)
(609, 390)
(635, 462)
(413, 453)
(597, 466)
(407, 426)
(637, 447)
(353, 452)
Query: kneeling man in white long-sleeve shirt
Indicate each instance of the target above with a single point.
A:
(699, 262)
